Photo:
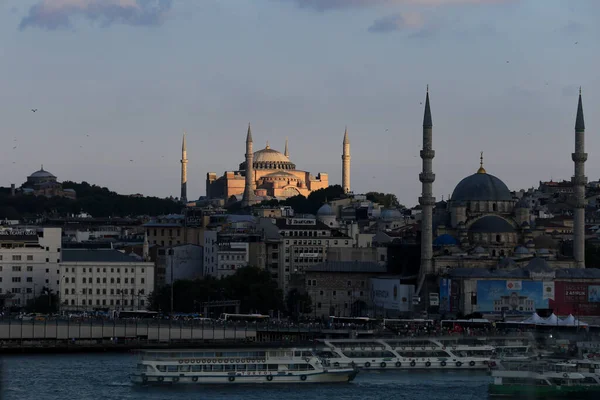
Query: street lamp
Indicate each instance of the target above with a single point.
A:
(172, 255)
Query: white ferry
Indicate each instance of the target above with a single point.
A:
(423, 353)
(233, 366)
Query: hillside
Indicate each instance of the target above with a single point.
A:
(95, 200)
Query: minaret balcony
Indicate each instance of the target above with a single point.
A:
(427, 177)
(427, 154)
(579, 157)
(578, 180)
(580, 203)
(427, 201)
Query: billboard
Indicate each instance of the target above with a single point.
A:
(389, 294)
(445, 293)
(513, 296)
(579, 299)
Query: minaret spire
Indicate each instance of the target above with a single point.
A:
(184, 162)
(481, 170)
(427, 201)
(579, 181)
(286, 152)
(346, 163)
(249, 198)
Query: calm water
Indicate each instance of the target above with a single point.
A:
(93, 377)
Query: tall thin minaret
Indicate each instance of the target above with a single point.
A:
(184, 161)
(286, 151)
(346, 163)
(248, 199)
(579, 181)
(427, 200)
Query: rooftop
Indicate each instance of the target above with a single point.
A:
(86, 255)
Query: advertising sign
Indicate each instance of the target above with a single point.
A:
(301, 221)
(445, 292)
(511, 296)
(390, 294)
(579, 299)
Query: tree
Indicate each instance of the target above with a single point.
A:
(253, 286)
(387, 200)
(298, 303)
(45, 303)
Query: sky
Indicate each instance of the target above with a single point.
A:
(117, 82)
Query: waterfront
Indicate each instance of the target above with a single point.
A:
(90, 376)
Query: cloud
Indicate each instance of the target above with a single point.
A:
(397, 22)
(326, 5)
(57, 14)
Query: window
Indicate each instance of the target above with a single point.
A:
(126, 280)
(16, 258)
(67, 291)
(58, 250)
(29, 258)
(84, 280)
(98, 270)
(103, 291)
(97, 280)
(29, 279)
(72, 291)
(141, 302)
(103, 280)
(133, 280)
(118, 280)
(97, 302)
(349, 283)
(16, 279)
(112, 291)
(84, 270)
(334, 293)
(47, 260)
(66, 280)
(124, 291)
(112, 280)
(124, 302)
(314, 282)
(98, 291)
(103, 302)
(125, 270)
(16, 268)
(143, 280)
(47, 270)
(142, 270)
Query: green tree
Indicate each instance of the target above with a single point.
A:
(385, 199)
(45, 303)
(298, 303)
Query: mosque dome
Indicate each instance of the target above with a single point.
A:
(390, 215)
(481, 186)
(522, 251)
(42, 174)
(269, 155)
(325, 211)
(491, 224)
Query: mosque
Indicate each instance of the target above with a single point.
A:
(44, 183)
(268, 173)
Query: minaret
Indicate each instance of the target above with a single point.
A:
(427, 200)
(184, 161)
(579, 181)
(248, 199)
(286, 152)
(346, 163)
(146, 248)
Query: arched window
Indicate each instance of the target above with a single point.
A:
(494, 207)
(498, 238)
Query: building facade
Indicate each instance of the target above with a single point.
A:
(104, 280)
(29, 262)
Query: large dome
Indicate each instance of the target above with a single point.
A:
(42, 174)
(481, 187)
(268, 158)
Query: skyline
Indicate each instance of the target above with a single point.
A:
(500, 81)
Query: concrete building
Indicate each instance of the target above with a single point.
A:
(104, 280)
(186, 261)
(29, 261)
(341, 288)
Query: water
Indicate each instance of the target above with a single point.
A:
(106, 376)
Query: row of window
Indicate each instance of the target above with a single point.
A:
(29, 268)
(314, 242)
(104, 280)
(112, 270)
(112, 291)
(334, 293)
(112, 302)
(29, 257)
(162, 232)
(306, 232)
(233, 257)
(313, 282)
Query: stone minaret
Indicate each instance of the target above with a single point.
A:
(286, 152)
(248, 199)
(184, 161)
(346, 163)
(579, 181)
(146, 248)
(427, 200)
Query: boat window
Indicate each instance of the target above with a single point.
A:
(184, 368)
(161, 368)
(368, 354)
(207, 368)
(217, 368)
(590, 380)
(251, 367)
(261, 367)
(273, 367)
(196, 368)
(240, 367)
(171, 368)
(229, 367)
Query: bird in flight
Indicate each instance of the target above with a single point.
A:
(34, 109)
(131, 160)
(14, 147)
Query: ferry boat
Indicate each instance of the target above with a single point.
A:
(422, 353)
(234, 366)
(541, 381)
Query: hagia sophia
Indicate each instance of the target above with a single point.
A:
(271, 175)
(44, 183)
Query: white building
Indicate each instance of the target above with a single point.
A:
(104, 279)
(223, 258)
(29, 261)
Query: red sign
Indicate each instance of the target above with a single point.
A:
(574, 298)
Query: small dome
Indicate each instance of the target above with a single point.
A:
(538, 265)
(491, 224)
(543, 251)
(325, 211)
(481, 187)
(520, 250)
(390, 215)
(281, 174)
(479, 250)
(42, 174)
(445, 240)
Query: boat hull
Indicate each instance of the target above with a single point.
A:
(532, 391)
(437, 365)
(331, 376)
